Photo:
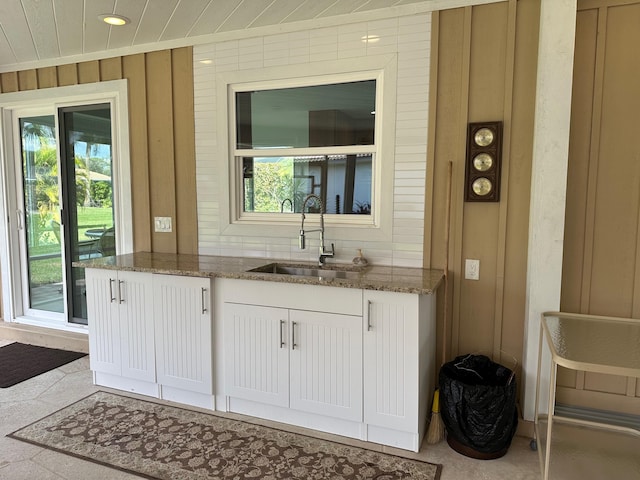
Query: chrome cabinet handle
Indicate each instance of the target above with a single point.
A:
(113, 299)
(120, 282)
(369, 326)
(204, 308)
(282, 344)
(293, 335)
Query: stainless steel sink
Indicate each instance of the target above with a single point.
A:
(306, 271)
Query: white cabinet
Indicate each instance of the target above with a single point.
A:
(399, 365)
(292, 353)
(151, 334)
(183, 336)
(359, 363)
(121, 340)
(326, 364)
(307, 361)
(257, 353)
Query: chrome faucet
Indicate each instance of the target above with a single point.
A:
(302, 239)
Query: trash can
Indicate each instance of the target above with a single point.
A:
(478, 406)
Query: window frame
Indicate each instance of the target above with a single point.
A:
(374, 227)
(238, 213)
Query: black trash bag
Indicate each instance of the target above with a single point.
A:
(478, 406)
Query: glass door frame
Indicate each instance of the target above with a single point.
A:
(114, 92)
(67, 120)
(23, 279)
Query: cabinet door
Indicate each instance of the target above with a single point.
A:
(135, 294)
(104, 321)
(182, 311)
(257, 364)
(326, 364)
(391, 360)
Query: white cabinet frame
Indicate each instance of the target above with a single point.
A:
(182, 308)
(359, 363)
(121, 343)
(152, 334)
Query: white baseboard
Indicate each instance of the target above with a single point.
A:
(44, 337)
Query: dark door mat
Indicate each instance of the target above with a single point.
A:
(20, 362)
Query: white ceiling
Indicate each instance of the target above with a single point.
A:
(34, 32)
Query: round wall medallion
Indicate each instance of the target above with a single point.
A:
(482, 186)
(482, 162)
(483, 137)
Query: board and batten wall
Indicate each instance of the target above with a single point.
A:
(601, 267)
(483, 69)
(161, 136)
(466, 84)
(485, 315)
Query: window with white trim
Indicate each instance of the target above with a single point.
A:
(316, 137)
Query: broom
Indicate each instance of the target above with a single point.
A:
(437, 431)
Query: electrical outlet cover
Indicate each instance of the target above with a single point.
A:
(472, 269)
(162, 224)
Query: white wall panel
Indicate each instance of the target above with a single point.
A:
(42, 30)
(96, 35)
(406, 37)
(17, 32)
(153, 22)
(69, 14)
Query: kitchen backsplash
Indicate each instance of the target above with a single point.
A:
(410, 38)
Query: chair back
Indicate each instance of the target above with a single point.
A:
(106, 244)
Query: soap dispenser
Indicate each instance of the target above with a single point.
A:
(360, 260)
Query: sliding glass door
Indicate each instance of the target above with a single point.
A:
(67, 204)
(43, 266)
(86, 161)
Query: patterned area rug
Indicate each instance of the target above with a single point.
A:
(164, 442)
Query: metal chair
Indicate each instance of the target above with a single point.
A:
(106, 244)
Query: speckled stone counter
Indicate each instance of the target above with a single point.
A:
(371, 277)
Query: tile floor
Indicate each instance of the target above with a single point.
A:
(40, 396)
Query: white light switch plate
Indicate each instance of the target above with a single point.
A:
(472, 269)
(162, 224)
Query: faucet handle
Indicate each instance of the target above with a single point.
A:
(328, 253)
(325, 254)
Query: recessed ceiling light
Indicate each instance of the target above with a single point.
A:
(113, 19)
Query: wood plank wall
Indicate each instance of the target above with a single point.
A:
(601, 267)
(484, 68)
(162, 136)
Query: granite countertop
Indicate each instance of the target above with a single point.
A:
(371, 277)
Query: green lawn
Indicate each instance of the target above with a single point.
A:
(49, 270)
(94, 217)
(46, 271)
